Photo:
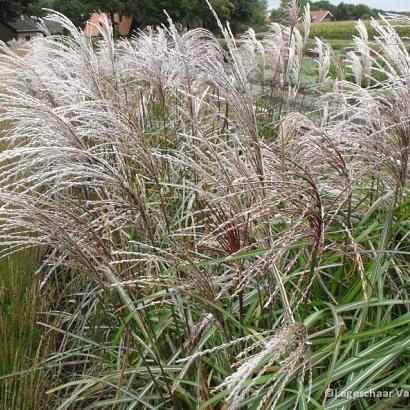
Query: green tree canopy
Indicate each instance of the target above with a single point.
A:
(323, 5)
(248, 13)
(124, 7)
(342, 11)
(77, 11)
(361, 11)
(282, 12)
(13, 8)
(195, 13)
(190, 13)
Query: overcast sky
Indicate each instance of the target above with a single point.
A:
(398, 5)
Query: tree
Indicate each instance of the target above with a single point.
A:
(113, 7)
(10, 9)
(284, 4)
(342, 12)
(259, 15)
(77, 11)
(122, 7)
(361, 11)
(201, 15)
(195, 13)
(37, 7)
(248, 13)
(189, 13)
(282, 12)
(275, 15)
(323, 5)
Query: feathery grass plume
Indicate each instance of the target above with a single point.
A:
(276, 45)
(396, 67)
(355, 64)
(359, 60)
(284, 48)
(362, 46)
(253, 55)
(236, 89)
(323, 51)
(291, 14)
(371, 113)
(287, 349)
(307, 21)
(391, 45)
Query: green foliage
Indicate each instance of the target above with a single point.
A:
(37, 7)
(281, 13)
(77, 10)
(248, 13)
(188, 13)
(122, 7)
(346, 11)
(342, 11)
(13, 8)
(23, 344)
(195, 13)
(322, 5)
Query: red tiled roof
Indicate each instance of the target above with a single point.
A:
(319, 15)
(91, 27)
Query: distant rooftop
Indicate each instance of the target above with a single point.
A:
(52, 25)
(24, 25)
(319, 15)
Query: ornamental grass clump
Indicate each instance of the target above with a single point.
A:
(214, 234)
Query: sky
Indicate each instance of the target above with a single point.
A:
(397, 5)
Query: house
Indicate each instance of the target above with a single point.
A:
(123, 24)
(321, 16)
(52, 26)
(22, 29)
